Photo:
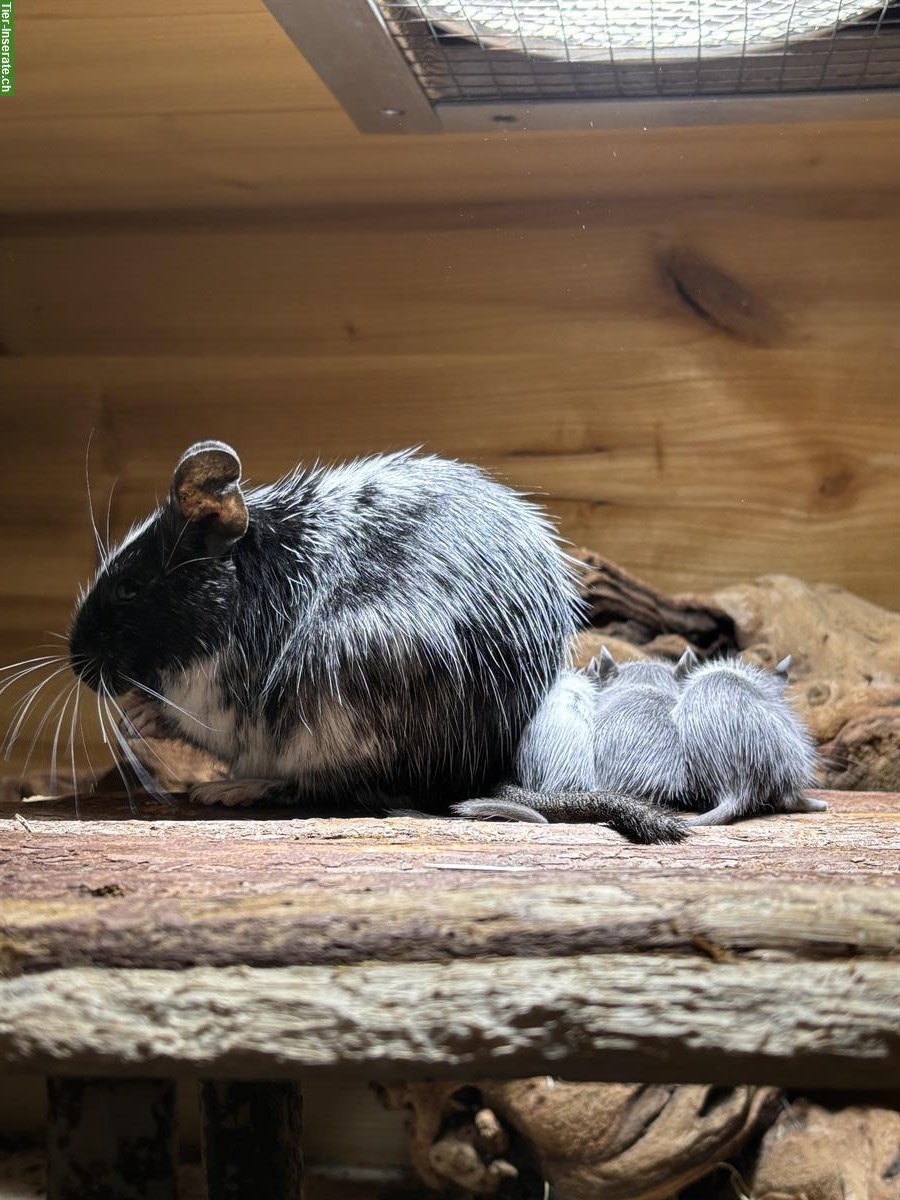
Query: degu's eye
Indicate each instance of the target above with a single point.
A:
(126, 589)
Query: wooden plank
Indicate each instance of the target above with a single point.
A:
(116, 893)
(252, 1139)
(519, 279)
(619, 1017)
(137, 62)
(692, 467)
(110, 1138)
(398, 947)
(117, 109)
(237, 160)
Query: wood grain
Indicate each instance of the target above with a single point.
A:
(515, 279)
(278, 892)
(621, 1017)
(690, 473)
(171, 109)
(350, 944)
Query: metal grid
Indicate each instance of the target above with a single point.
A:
(474, 50)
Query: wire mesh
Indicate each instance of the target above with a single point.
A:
(593, 49)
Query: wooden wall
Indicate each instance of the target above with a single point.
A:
(688, 340)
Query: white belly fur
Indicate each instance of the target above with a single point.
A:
(326, 744)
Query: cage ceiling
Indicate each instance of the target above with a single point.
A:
(431, 65)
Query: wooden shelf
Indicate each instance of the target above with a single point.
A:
(267, 948)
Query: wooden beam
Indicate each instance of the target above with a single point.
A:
(761, 952)
(624, 276)
(616, 461)
(276, 892)
(252, 1140)
(626, 1017)
(110, 1138)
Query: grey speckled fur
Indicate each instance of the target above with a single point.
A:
(364, 633)
(389, 630)
(719, 737)
(566, 769)
(636, 740)
(745, 750)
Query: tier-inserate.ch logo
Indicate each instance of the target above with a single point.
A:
(7, 74)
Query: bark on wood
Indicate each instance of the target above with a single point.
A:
(252, 1140)
(763, 952)
(760, 952)
(635, 1017)
(165, 894)
(110, 1139)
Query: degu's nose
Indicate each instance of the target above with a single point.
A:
(84, 660)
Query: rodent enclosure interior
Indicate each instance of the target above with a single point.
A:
(682, 338)
(685, 339)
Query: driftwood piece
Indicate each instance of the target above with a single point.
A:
(274, 892)
(812, 1153)
(588, 1141)
(251, 1137)
(626, 607)
(614, 1017)
(110, 1139)
(393, 948)
(845, 674)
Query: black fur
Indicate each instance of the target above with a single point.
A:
(366, 634)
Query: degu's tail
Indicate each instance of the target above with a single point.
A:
(732, 808)
(638, 820)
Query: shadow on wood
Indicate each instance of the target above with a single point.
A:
(111, 1139)
(252, 1140)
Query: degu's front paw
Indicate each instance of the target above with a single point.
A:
(234, 793)
(143, 717)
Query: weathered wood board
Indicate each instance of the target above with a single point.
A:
(206, 103)
(767, 951)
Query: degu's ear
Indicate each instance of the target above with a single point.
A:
(603, 668)
(206, 491)
(686, 664)
(781, 671)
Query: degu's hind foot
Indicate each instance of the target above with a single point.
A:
(724, 813)
(801, 803)
(238, 793)
(143, 717)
